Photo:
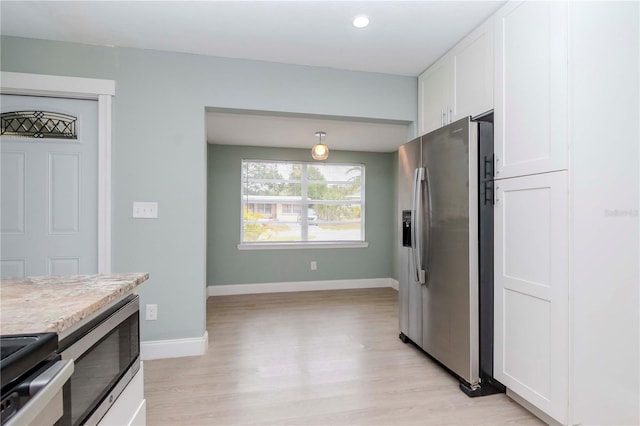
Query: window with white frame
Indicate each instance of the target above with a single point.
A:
(307, 202)
(290, 208)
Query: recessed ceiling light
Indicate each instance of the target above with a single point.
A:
(360, 21)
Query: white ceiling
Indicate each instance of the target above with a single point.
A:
(298, 131)
(404, 38)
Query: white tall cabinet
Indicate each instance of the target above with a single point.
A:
(566, 221)
(604, 169)
(567, 224)
(531, 215)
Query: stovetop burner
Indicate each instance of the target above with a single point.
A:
(20, 353)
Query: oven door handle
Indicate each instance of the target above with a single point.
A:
(46, 400)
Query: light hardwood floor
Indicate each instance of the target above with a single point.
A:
(313, 358)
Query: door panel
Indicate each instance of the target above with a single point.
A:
(410, 300)
(64, 197)
(473, 73)
(531, 290)
(13, 267)
(527, 343)
(14, 182)
(64, 266)
(49, 193)
(434, 97)
(450, 296)
(531, 112)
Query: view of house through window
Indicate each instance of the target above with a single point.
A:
(285, 201)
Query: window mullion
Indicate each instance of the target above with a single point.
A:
(304, 205)
(244, 199)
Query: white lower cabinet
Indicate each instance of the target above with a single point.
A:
(130, 407)
(531, 290)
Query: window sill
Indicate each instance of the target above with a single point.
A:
(296, 246)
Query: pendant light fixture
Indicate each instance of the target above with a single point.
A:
(320, 151)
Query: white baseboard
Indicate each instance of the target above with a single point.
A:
(534, 410)
(174, 348)
(229, 289)
(394, 284)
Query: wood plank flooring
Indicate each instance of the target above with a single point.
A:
(313, 358)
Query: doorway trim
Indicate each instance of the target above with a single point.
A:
(14, 83)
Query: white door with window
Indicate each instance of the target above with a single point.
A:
(49, 198)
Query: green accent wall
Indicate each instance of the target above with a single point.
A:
(228, 265)
(396, 217)
(159, 152)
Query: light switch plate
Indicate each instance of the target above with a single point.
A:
(151, 313)
(145, 210)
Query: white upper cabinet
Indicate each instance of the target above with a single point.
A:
(460, 83)
(531, 88)
(472, 61)
(435, 92)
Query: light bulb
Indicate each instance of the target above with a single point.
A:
(320, 152)
(360, 21)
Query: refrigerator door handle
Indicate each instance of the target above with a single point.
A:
(427, 227)
(416, 237)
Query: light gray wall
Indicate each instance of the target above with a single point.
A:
(160, 154)
(396, 219)
(228, 265)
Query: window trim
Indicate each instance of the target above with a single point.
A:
(304, 204)
(285, 245)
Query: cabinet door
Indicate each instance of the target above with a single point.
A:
(130, 407)
(531, 290)
(473, 73)
(434, 96)
(531, 88)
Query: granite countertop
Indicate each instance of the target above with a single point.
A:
(58, 303)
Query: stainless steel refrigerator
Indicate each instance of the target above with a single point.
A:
(445, 198)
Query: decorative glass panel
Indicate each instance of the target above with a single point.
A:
(39, 124)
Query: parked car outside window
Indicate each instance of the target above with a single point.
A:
(312, 217)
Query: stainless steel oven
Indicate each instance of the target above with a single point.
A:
(106, 354)
(33, 379)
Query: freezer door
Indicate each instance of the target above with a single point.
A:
(450, 295)
(410, 296)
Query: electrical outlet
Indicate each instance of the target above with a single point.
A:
(314, 265)
(145, 210)
(151, 312)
